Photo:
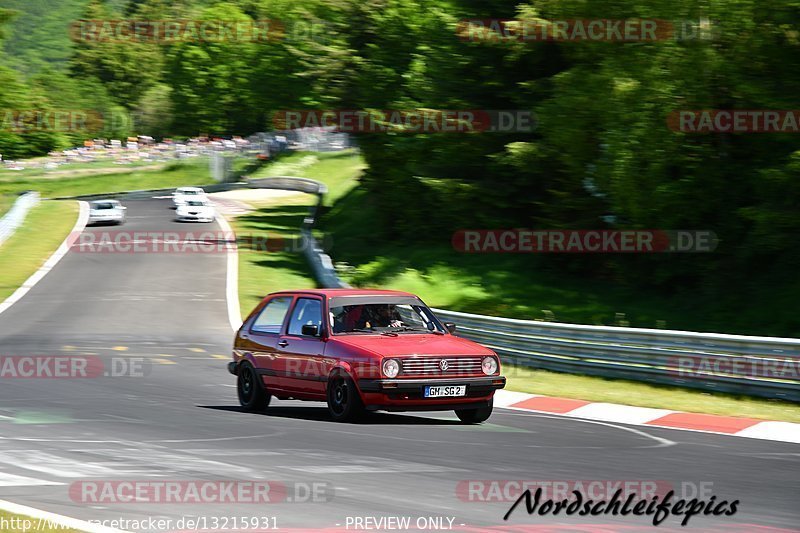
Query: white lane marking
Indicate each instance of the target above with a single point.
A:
(11, 480)
(624, 414)
(766, 430)
(781, 431)
(505, 398)
(158, 461)
(65, 521)
(366, 469)
(232, 277)
(54, 465)
(662, 442)
(52, 261)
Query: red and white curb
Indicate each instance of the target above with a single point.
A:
(645, 416)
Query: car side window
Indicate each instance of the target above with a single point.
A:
(271, 317)
(306, 311)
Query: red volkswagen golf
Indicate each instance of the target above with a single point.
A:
(361, 350)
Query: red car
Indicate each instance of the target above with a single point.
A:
(361, 350)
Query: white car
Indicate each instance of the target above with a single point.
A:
(106, 212)
(184, 194)
(196, 211)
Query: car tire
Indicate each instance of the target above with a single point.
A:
(250, 389)
(344, 401)
(475, 416)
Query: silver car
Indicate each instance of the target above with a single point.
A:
(106, 212)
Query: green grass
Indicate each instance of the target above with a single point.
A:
(482, 284)
(174, 175)
(6, 201)
(645, 395)
(262, 272)
(73, 168)
(338, 170)
(27, 524)
(45, 227)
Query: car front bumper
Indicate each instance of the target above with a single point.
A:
(105, 218)
(409, 394)
(194, 218)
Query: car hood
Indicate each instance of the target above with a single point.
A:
(413, 344)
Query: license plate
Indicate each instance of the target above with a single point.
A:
(448, 390)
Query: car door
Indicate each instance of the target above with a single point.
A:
(303, 355)
(261, 338)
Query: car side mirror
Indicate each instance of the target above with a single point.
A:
(451, 326)
(310, 330)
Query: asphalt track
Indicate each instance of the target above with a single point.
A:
(181, 421)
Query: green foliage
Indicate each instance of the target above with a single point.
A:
(602, 146)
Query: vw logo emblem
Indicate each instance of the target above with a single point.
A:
(444, 365)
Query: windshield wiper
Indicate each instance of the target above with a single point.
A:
(423, 330)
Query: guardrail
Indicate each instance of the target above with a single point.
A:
(320, 262)
(16, 215)
(737, 364)
(725, 363)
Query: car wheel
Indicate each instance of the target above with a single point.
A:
(344, 402)
(252, 395)
(475, 416)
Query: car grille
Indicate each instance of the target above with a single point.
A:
(431, 366)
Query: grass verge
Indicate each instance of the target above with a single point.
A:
(262, 272)
(278, 220)
(174, 175)
(626, 392)
(6, 201)
(45, 227)
(20, 523)
(487, 285)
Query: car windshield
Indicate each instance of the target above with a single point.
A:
(189, 193)
(196, 203)
(105, 205)
(383, 317)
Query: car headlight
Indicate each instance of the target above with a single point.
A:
(391, 367)
(489, 365)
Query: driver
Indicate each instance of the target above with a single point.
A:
(384, 316)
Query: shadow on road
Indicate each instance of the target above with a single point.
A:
(320, 414)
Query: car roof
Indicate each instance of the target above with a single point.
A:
(330, 293)
(190, 189)
(104, 201)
